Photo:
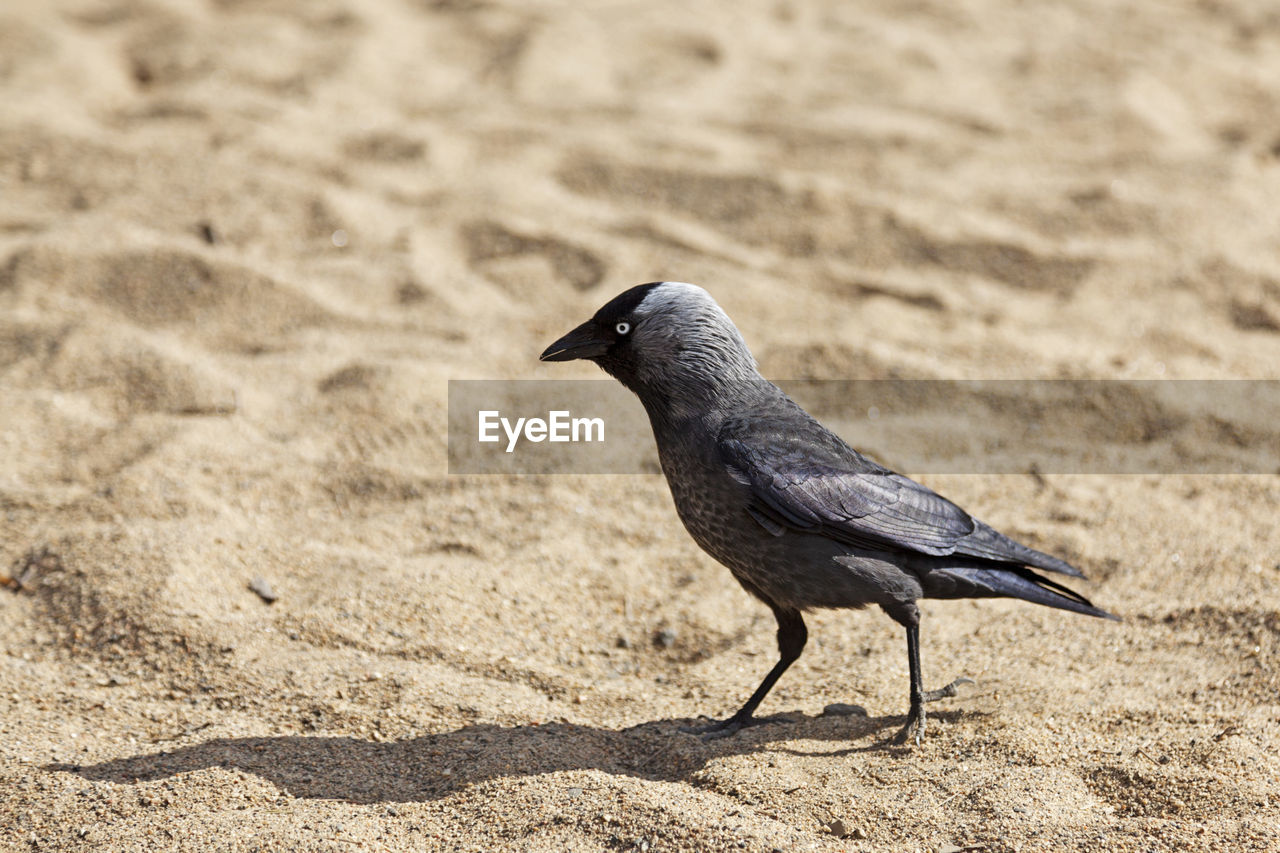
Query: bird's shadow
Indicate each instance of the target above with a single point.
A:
(434, 766)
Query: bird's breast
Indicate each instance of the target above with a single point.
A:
(713, 507)
(788, 569)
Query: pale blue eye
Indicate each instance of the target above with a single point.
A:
(623, 327)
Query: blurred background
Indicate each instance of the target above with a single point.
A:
(244, 245)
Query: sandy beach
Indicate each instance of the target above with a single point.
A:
(244, 246)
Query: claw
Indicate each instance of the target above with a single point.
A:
(946, 692)
(717, 729)
(915, 719)
(914, 723)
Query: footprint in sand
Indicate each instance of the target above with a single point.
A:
(501, 255)
(222, 304)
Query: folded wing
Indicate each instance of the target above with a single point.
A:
(804, 478)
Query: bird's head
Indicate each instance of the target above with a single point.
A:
(663, 338)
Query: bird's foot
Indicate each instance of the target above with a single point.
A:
(914, 729)
(914, 726)
(717, 729)
(945, 692)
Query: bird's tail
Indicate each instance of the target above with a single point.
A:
(1019, 582)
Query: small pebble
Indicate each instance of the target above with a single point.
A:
(666, 638)
(263, 589)
(840, 709)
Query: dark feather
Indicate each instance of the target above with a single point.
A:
(979, 581)
(805, 478)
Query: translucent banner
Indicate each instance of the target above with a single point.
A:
(912, 426)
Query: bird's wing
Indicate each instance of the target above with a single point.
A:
(805, 478)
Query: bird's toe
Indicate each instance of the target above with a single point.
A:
(913, 730)
(717, 729)
(946, 692)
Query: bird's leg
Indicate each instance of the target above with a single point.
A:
(792, 636)
(915, 718)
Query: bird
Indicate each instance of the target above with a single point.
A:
(800, 518)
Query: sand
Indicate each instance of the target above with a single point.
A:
(244, 246)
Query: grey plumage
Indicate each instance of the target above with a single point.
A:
(799, 517)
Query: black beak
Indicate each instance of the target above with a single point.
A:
(583, 342)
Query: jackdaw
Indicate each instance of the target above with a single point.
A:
(799, 517)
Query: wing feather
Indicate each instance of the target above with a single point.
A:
(805, 478)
